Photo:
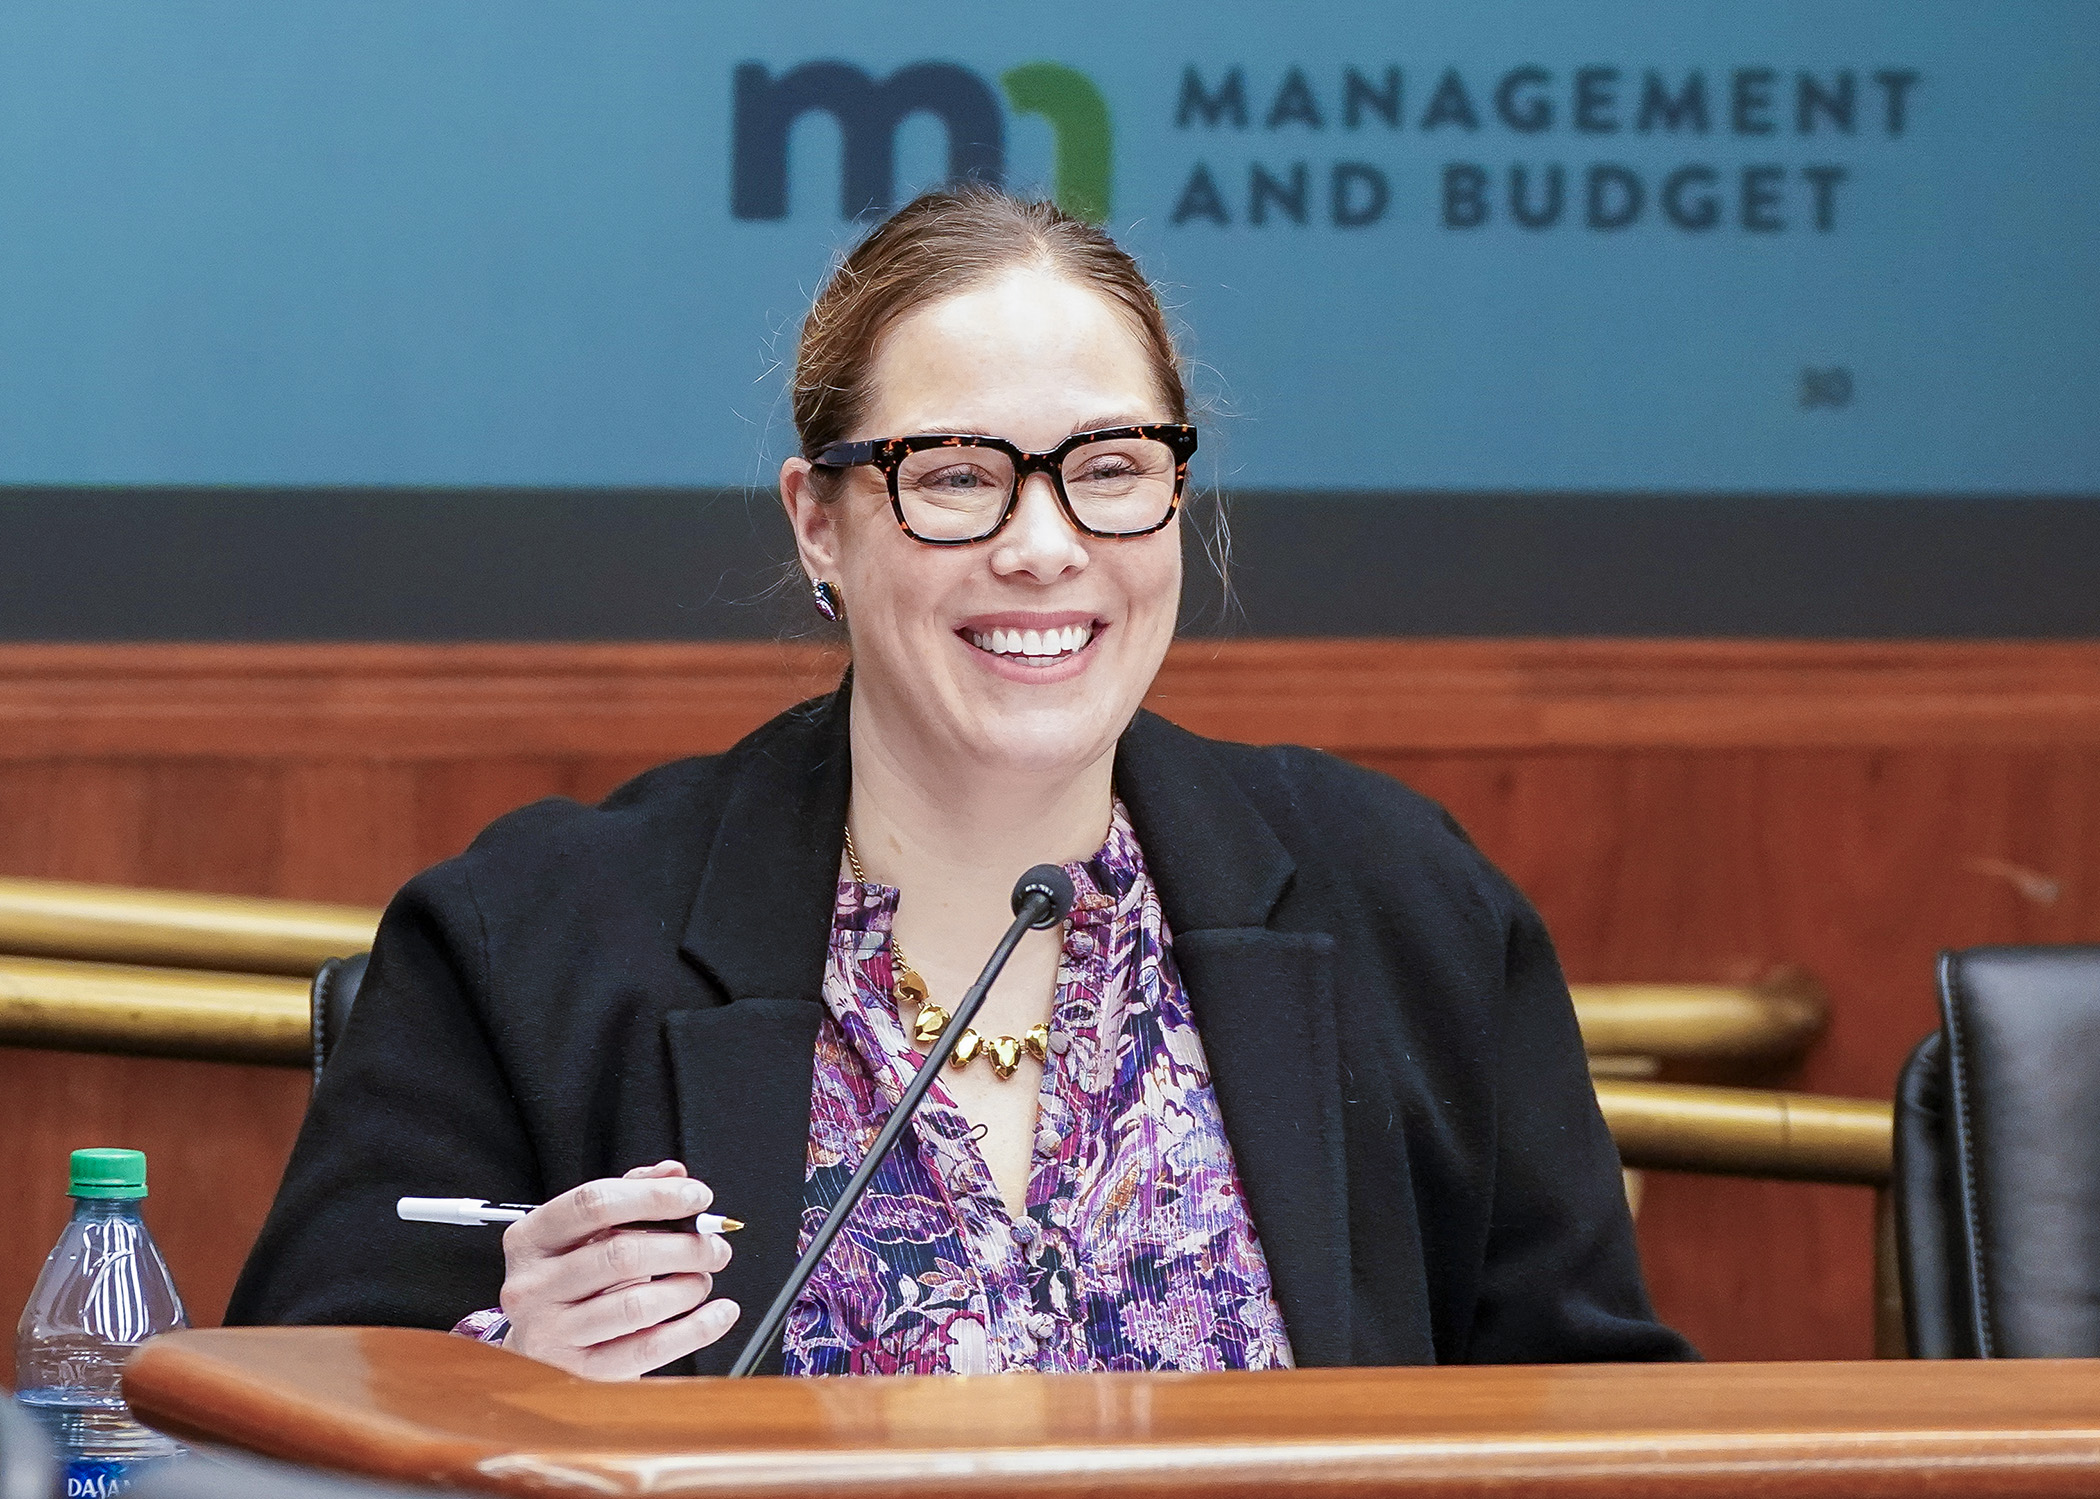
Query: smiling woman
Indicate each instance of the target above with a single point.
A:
(994, 415)
(1298, 1081)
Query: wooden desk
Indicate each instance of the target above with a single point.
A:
(427, 1407)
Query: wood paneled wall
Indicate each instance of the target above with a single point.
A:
(1678, 810)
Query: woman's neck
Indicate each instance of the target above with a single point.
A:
(945, 832)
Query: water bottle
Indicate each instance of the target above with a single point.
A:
(104, 1290)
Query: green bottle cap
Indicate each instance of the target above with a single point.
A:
(108, 1173)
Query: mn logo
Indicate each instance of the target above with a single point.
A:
(868, 112)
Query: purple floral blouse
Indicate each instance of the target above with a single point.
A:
(1135, 1250)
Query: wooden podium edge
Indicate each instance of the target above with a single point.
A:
(320, 1396)
(179, 1384)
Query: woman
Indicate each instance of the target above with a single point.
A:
(1299, 1082)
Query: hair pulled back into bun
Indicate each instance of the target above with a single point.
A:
(938, 245)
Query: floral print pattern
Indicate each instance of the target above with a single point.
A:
(1135, 1251)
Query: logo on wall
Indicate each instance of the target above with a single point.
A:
(1337, 147)
(869, 110)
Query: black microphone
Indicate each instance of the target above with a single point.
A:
(1042, 898)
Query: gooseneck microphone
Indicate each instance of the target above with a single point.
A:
(1042, 898)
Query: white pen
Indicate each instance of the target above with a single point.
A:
(471, 1211)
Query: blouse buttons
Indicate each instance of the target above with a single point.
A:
(1079, 945)
(1045, 1140)
(1025, 1231)
(1060, 1043)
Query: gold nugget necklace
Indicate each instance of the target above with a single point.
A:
(1003, 1052)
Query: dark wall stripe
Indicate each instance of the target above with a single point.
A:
(246, 564)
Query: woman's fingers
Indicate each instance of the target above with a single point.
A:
(653, 1347)
(622, 1310)
(590, 1296)
(568, 1336)
(619, 1257)
(583, 1212)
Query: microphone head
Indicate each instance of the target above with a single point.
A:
(1053, 885)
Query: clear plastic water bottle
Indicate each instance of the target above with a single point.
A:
(104, 1290)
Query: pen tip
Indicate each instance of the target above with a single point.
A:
(731, 1225)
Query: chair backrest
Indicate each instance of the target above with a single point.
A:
(1931, 1258)
(1998, 1159)
(335, 991)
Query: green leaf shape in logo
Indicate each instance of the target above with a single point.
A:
(1078, 116)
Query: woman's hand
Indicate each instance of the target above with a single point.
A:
(604, 1302)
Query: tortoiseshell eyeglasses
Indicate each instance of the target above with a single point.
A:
(950, 489)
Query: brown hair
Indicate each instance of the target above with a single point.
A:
(939, 244)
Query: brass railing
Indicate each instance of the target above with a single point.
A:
(174, 929)
(144, 972)
(155, 1012)
(1765, 1023)
(1749, 1132)
(1772, 1021)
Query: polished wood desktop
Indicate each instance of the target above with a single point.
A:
(427, 1407)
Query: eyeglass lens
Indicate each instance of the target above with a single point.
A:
(956, 493)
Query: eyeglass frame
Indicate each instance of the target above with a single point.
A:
(888, 454)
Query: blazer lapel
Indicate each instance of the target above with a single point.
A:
(1264, 1002)
(761, 920)
(760, 927)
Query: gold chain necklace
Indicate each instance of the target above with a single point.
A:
(1003, 1052)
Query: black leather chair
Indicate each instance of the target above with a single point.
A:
(1998, 1159)
(335, 991)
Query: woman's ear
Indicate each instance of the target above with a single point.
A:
(815, 523)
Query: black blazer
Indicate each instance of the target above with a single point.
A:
(589, 989)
